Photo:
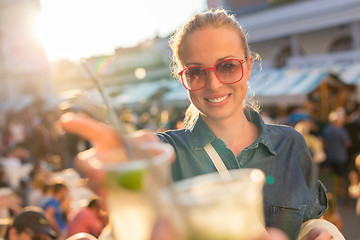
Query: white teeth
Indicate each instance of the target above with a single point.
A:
(217, 100)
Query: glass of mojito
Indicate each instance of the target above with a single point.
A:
(214, 207)
(132, 191)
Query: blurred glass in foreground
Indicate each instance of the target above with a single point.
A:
(213, 207)
(133, 189)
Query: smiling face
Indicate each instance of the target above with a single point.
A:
(206, 47)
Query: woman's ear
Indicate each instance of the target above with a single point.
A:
(249, 62)
(247, 69)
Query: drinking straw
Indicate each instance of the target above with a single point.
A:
(112, 117)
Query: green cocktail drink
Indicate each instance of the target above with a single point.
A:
(132, 192)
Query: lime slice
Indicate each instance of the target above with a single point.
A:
(132, 180)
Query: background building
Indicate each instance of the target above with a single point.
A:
(24, 69)
(310, 51)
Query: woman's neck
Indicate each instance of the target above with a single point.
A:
(236, 132)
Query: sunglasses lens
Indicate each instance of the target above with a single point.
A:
(229, 71)
(194, 78)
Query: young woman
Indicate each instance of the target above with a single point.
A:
(213, 60)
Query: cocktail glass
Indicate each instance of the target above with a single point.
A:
(214, 207)
(133, 188)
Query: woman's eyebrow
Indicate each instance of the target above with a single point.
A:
(199, 64)
(193, 63)
(220, 59)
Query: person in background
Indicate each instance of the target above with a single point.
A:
(354, 186)
(213, 60)
(10, 162)
(9, 202)
(36, 189)
(47, 193)
(314, 143)
(30, 224)
(4, 181)
(90, 219)
(336, 142)
(352, 126)
(54, 210)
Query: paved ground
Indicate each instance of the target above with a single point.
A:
(351, 222)
(346, 209)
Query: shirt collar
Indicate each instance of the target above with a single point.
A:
(202, 135)
(264, 137)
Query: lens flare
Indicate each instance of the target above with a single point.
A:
(102, 65)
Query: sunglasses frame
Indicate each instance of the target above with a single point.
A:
(181, 73)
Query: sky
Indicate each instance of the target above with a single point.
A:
(82, 28)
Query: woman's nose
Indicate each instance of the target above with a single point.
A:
(213, 81)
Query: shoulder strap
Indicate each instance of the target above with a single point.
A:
(217, 161)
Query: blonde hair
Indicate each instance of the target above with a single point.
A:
(218, 18)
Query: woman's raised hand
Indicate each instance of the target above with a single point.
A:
(104, 138)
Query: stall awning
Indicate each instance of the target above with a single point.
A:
(177, 95)
(271, 86)
(137, 93)
(291, 81)
(18, 104)
(350, 73)
(291, 85)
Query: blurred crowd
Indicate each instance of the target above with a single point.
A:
(36, 165)
(335, 148)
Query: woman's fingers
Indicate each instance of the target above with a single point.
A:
(105, 137)
(276, 234)
(141, 139)
(164, 230)
(102, 136)
(108, 146)
(318, 234)
(273, 234)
